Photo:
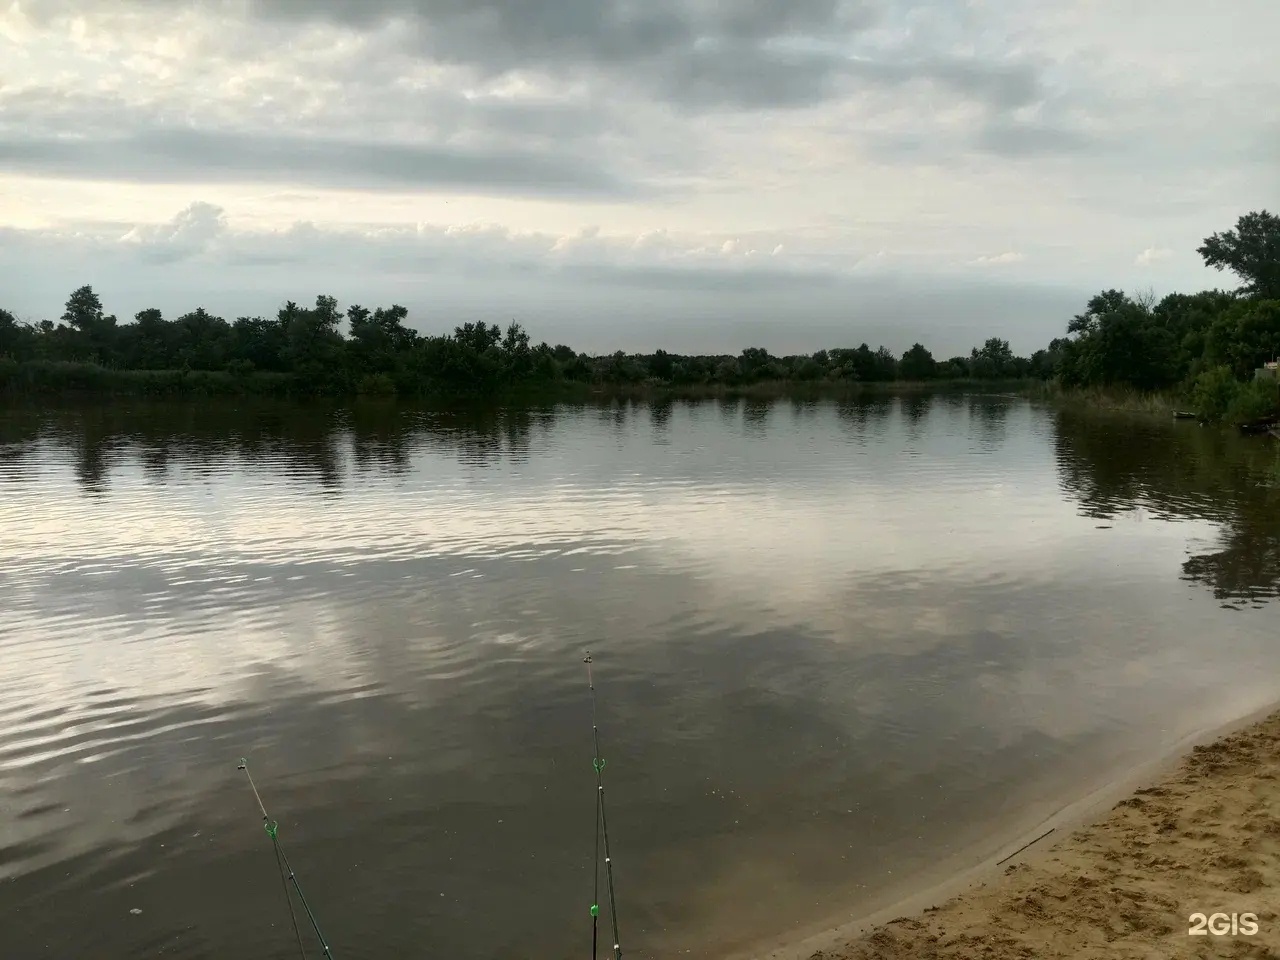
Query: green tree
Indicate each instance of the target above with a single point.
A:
(148, 343)
(1045, 364)
(992, 361)
(863, 364)
(755, 364)
(884, 365)
(477, 337)
(259, 341)
(660, 365)
(1244, 337)
(379, 338)
(1117, 341)
(201, 340)
(17, 340)
(1251, 251)
(516, 354)
(1188, 318)
(94, 329)
(84, 311)
(917, 364)
(545, 367)
(391, 322)
(313, 349)
(728, 371)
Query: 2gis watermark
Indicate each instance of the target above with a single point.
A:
(1222, 924)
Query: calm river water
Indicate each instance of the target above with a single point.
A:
(836, 643)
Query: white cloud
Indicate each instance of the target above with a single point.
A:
(190, 232)
(1008, 256)
(1151, 255)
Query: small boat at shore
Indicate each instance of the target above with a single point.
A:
(1184, 415)
(1263, 425)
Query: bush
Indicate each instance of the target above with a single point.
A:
(1219, 397)
(376, 385)
(1213, 392)
(1254, 400)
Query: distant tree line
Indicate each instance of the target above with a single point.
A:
(322, 350)
(1207, 344)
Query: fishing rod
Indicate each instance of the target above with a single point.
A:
(286, 871)
(602, 831)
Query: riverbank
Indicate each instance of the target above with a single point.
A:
(1201, 838)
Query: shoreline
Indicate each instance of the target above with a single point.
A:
(79, 381)
(1002, 904)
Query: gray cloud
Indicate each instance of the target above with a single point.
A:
(702, 279)
(737, 75)
(269, 99)
(691, 54)
(966, 144)
(917, 135)
(178, 156)
(367, 102)
(508, 33)
(1029, 139)
(1003, 86)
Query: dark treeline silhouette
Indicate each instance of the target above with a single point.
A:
(319, 350)
(1206, 345)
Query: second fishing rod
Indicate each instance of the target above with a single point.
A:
(287, 876)
(601, 834)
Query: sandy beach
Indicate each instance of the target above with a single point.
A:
(1204, 837)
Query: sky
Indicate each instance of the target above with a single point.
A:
(697, 175)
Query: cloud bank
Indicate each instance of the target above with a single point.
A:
(697, 158)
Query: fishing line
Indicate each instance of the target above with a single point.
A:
(602, 832)
(287, 875)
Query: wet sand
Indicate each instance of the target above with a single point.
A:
(1204, 837)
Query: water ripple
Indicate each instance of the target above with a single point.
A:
(819, 626)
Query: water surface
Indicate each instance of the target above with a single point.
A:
(836, 643)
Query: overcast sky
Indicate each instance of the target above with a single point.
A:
(693, 174)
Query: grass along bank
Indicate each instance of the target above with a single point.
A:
(1214, 396)
(1111, 398)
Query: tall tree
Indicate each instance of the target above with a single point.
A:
(83, 310)
(95, 331)
(917, 364)
(1251, 251)
(994, 359)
